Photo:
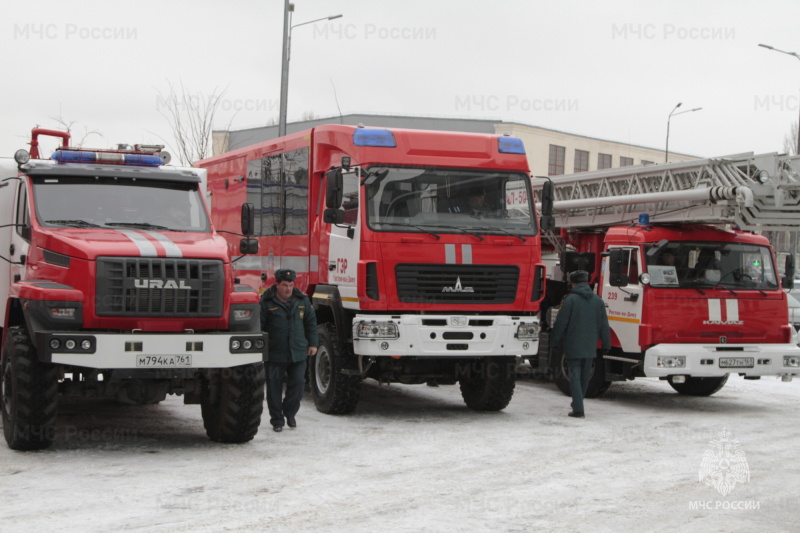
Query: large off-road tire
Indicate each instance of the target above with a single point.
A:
(29, 394)
(488, 383)
(232, 402)
(335, 392)
(699, 386)
(597, 382)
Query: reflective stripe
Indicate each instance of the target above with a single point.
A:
(450, 254)
(170, 247)
(732, 310)
(466, 254)
(714, 310)
(146, 248)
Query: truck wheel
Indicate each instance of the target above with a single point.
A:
(335, 392)
(597, 383)
(489, 383)
(232, 402)
(29, 394)
(699, 386)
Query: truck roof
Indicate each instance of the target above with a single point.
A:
(681, 232)
(51, 168)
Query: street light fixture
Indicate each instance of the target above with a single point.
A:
(794, 54)
(669, 118)
(288, 9)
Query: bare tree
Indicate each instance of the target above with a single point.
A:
(190, 117)
(68, 125)
(790, 140)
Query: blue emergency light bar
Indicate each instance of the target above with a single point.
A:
(374, 137)
(111, 158)
(510, 145)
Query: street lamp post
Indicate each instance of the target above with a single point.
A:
(669, 118)
(794, 54)
(288, 9)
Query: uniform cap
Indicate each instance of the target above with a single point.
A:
(579, 276)
(285, 274)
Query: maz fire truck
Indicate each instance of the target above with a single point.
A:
(419, 249)
(692, 294)
(115, 285)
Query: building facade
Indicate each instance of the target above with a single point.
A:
(550, 152)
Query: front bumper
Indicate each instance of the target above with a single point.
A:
(717, 360)
(447, 336)
(151, 350)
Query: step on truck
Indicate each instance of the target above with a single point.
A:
(693, 292)
(420, 251)
(114, 284)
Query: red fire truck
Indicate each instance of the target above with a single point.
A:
(115, 284)
(419, 249)
(692, 294)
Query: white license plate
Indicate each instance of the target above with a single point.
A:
(163, 361)
(736, 362)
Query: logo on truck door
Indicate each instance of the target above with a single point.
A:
(729, 315)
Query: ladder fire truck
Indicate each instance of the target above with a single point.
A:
(411, 282)
(114, 284)
(692, 293)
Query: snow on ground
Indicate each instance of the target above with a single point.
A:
(414, 458)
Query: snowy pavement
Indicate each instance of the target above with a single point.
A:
(414, 458)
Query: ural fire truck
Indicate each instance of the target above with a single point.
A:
(411, 282)
(115, 285)
(692, 293)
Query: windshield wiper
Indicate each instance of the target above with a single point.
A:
(146, 225)
(421, 228)
(77, 223)
(463, 230)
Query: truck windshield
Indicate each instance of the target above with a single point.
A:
(436, 200)
(712, 264)
(119, 203)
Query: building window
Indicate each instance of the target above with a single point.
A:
(603, 161)
(625, 161)
(581, 161)
(557, 155)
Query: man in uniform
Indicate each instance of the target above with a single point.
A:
(581, 323)
(290, 321)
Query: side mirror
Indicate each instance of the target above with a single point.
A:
(547, 222)
(788, 280)
(618, 259)
(248, 219)
(333, 216)
(335, 188)
(248, 246)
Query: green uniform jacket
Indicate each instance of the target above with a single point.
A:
(292, 327)
(580, 323)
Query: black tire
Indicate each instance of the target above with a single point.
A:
(232, 402)
(699, 386)
(29, 394)
(335, 392)
(597, 382)
(488, 383)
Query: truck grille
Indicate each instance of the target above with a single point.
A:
(457, 284)
(159, 287)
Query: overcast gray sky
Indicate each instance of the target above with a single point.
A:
(610, 68)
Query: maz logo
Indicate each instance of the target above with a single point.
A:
(458, 287)
(160, 284)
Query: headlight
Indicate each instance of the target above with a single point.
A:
(242, 314)
(376, 330)
(672, 361)
(791, 361)
(528, 331)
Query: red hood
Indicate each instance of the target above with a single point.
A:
(91, 243)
